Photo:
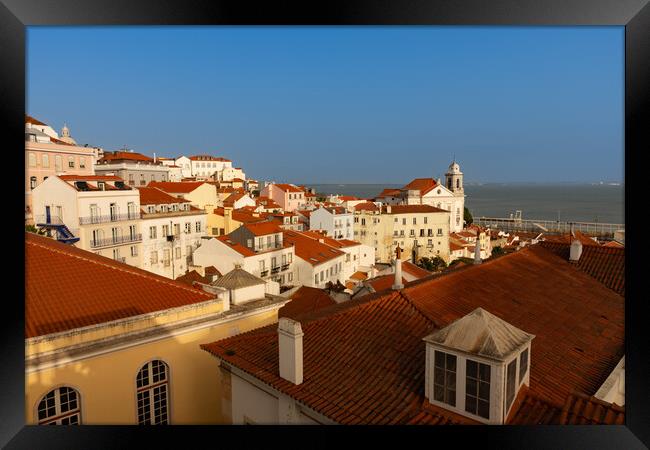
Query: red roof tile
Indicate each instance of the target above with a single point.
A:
(288, 187)
(580, 409)
(614, 244)
(414, 270)
(30, 119)
(236, 246)
(605, 264)
(263, 228)
(68, 288)
(154, 196)
(208, 158)
(367, 206)
(423, 185)
(310, 249)
(364, 360)
(176, 187)
(305, 300)
(384, 282)
(127, 156)
(192, 276)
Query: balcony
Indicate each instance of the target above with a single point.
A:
(49, 220)
(109, 218)
(285, 267)
(121, 259)
(264, 273)
(275, 270)
(117, 240)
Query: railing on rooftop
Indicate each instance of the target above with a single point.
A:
(109, 218)
(51, 220)
(549, 226)
(116, 240)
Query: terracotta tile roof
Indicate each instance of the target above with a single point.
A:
(414, 270)
(127, 156)
(581, 409)
(236, 246)
(359, 276)
(605, 264)
(388, 192)
(238, 180)
(614, 244)
(211, 270)
(304, 212)
(192, 276)
(242, 215)
(453, 246)
(208, 158)
(346, 198)
(176, 187)
(263, 228)
(410, 209)
(267, 202)
(59, 141)
(232, 198)
(305, 300)
(310, 249)
(90, 178)
(566, 238)
(288, 187)
(384, 282)
(68, 288)
(30, 119)
(337, 210)
(154, 196)
(364, 360)
(423, 185)
(368, 206)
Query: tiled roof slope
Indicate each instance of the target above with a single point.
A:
(30, 119)
(605, 264)
(67, 288)
(305, 300)
(580, 409)
(364, 360)
(415, 270)
(423, 185)
(154, 196)
(310, 249)
(176, 187)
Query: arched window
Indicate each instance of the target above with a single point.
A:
(152, 386)
(60, 406)
(458, 183)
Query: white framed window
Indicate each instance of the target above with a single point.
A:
(188, 227)
(523, 365)
(152, 385)
(316, 279)
(61, 406)
(425, 219)
(477, 388)
(290, 276)
(32, 160)
(71, 162)
(188, 250)
(116, 254)
(58, 164)
(444, 378)
(198, 227)
(511, 377)
(82, 163)
(166, 257)
(45, 160)
(154, 257)
(178, 253)
(153, 232)
(134, 250)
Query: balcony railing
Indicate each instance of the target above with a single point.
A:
(285, 267)
(109, 218)
(275, 270)
(121, 259)
(264, 273)
(95, 243)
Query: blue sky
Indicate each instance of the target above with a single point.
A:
(344, 104)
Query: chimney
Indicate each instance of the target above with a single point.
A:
(154, 157)
(575, 251)
(290, 346)
(388, 209)
(397, 284)
(477, 249)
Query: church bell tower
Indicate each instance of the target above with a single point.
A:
(454, 178)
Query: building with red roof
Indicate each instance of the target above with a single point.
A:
(107, 343)
(201, 195)
(490, 343)
(289, 196)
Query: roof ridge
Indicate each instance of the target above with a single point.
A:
(150, 276)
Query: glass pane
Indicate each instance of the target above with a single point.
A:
(470, 404)
(440, 359)
(471, 386)
(439, 376)
(472, 368)
(484, 372)
(484, 391)
(451, 380)
(451, 362)
(484, 409)
(438, 393)
(451, 397)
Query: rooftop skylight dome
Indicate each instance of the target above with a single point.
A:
(476, 365)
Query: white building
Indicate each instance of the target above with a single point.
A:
(206, 166)
(316, 262)
(336, 221)
(186, 166)
(102, 211)
(172, 230)
(258, 248)
(427, 191)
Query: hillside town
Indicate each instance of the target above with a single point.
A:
(181, 291)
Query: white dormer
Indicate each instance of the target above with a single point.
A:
(476, 365)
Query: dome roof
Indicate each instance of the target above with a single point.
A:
(454, 167)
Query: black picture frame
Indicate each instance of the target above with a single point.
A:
(15, 15)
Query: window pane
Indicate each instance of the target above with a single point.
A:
(438, 393)
(484, 391)
(484, 409)
(472, 368)
(471, 386)
(451, 362)
(440, 359)
(470, 404)
(485, 372)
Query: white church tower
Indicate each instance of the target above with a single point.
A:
(454, 183)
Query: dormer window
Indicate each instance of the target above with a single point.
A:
(465, 357)
(101, 185)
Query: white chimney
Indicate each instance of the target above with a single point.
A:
(397, 284)
(290, 346)
(575, 251)
(477, 249)
(388, 208)
(154, 157)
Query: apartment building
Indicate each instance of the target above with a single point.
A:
(201, 195)
(335, 221)
(222, 221)
(134, 168)
(46, 155)
(288, 221)
(109, 344)
(206, 166)
(289, 196)
(100, 210)
(259, 248)
(171, 231)
(420, 230)
(316, 262)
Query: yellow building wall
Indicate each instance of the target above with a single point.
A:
(217, 221)
(107, 383)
